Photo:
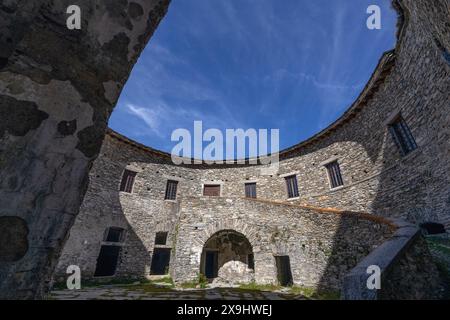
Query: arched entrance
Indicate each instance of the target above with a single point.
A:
(430, 228)
(227, 258)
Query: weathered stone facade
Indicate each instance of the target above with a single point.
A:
(47, 147)
(308, 236)
(406, 268)
(412, 81)
(57, 90)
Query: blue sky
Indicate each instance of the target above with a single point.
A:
(293, 65)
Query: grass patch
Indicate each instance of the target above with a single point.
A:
(91, 283)
(201, 282)
(437, 245)
(112, 281)
(167, 280)
(442, 239)
(294, 290)
(152, 285)
(314, 294)
(148, 288)
(189, 285)
(260, 287)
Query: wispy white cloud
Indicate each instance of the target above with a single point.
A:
(150, 116)
(283, 74)
(161, 119)
(291, 64)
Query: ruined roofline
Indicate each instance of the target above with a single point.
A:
(377, 79)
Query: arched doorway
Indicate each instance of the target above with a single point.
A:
(430, 228)
(227, 258)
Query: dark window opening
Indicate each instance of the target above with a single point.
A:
(432, 228)
(292, 187)
(250, 190)
(114, 234)
(107, 261)
(402, 136)
(284, 273)
(127, 181)
(161, 238)
(171, 190)
(334, 174)
(212, 190)
(160, 261)
(251, 261)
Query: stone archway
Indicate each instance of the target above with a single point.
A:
(57, 89)
(227, 258)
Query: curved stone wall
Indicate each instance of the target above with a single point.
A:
(412, 81)
(322, 245)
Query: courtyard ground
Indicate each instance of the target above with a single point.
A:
(162, 288)
(116, 292)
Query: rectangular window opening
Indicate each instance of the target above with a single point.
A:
(250, 190)
(402, 136)
(114, 234)
(212, 190)
(161, 238)
(292, 186)
(127, 181)
(334, 174)
(171, 190)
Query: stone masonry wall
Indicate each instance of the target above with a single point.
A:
(414, 276)
(141, 213)
(413, 80)
(406, 269)
(57, 90)
(322, 246)
(308, 237)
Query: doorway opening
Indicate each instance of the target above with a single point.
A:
(211, 263)
(284, 274)
(107, 261)
(228, 257)
(108, 257)
(160, 261)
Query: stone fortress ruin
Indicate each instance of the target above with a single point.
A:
(352, 196)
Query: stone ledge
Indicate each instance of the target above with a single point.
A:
(363, 215)
(385, 256)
